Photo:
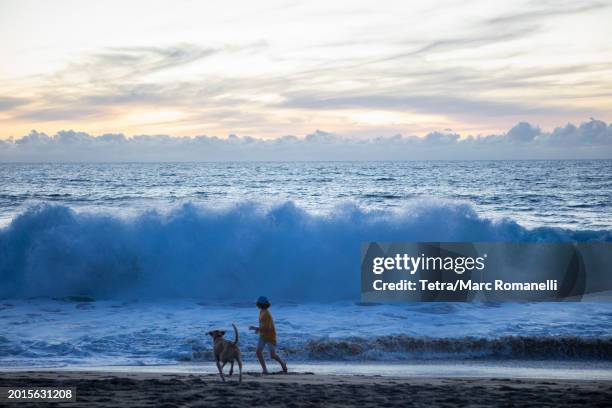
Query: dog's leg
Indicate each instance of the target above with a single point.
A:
(220, 371)
(231, 368)
(239, 359)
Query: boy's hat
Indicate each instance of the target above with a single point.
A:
(262, 300)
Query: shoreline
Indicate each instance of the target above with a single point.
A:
(104, 388)
(475, 369)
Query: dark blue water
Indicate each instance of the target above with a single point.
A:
(132, 263)
(568, 194)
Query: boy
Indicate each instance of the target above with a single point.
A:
(267, 335)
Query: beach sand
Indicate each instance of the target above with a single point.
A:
(101, 389)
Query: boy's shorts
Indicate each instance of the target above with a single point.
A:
(262, 343)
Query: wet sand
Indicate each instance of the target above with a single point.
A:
(105, 389)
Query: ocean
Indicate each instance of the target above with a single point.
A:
(131, 264)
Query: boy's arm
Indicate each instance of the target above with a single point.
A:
(260, 329)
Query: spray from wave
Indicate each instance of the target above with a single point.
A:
(232, 253)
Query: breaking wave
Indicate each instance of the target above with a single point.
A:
(403, 347)
(354, 349)
(232, 253)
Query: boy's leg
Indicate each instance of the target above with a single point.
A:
(276, 357)
(260, 356)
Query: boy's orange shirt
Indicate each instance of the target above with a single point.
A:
(266, 324)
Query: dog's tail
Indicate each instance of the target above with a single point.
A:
(236, 336)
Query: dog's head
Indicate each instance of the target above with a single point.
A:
(216, 334)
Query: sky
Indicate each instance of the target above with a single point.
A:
(268, 69)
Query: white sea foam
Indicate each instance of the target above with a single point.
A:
(42, 332)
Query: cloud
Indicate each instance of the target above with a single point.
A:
(152, 59)
(51, 114)
(438, 138)
(96, 84)
(129, 63)
(592, 133)
(591, 139)
(499, 29)
(491, 36)
(8, 103)
(444, 104)
(418, 68)
(553, 8)
(492, 71)
(523, 132)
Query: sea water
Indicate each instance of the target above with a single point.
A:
(131, 264)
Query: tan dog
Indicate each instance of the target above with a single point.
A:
(226, 351)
